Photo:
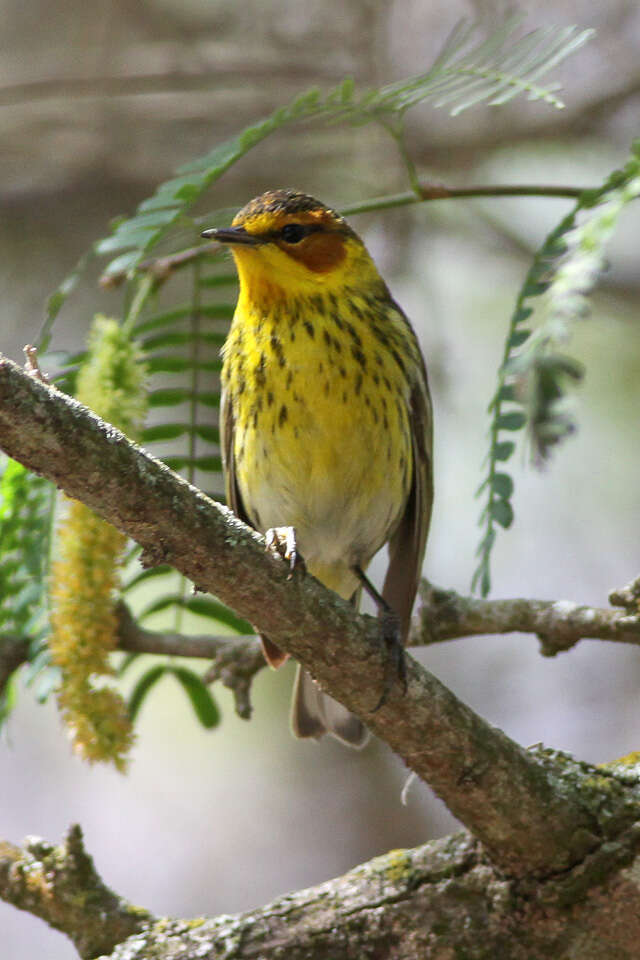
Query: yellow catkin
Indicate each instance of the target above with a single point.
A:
(85, 575)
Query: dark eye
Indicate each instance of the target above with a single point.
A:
(293, 232)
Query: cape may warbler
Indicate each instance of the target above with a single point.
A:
(325, 416)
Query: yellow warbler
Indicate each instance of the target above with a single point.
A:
(326, 423)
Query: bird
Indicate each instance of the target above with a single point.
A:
(325, 420)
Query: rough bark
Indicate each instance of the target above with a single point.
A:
(61, 885)
(437, 902)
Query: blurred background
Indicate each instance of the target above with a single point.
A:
(100, 102)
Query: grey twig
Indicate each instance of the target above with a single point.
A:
(236, 659)
(559, 624)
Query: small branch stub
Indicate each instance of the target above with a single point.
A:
(60, 885)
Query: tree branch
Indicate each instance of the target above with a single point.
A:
(443, 615)
(439, 900)
(559, 624)
(60, 885)
(513, 802)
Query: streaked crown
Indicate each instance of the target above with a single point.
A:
(277, 205)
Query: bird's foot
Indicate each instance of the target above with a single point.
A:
(395, 662)
(282, 541)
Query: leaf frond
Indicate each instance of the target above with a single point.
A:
(535, 374)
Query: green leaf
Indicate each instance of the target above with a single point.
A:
(59, 297)
(220, 280)
(521, 314)
(174, 363)
(488, 540)
(482, 578)
(518, 337)
(502, 512)
(169, 396)
(46, 681)
(122, 264)
(172, 318)
(168, 363)
(171, 431)
(206, 464)
(127, 660)
(208, 433)
(199, 695)
(209, 399)
(123, 239)
(160, 571)
(142, 688)
(180, 338)
(26, 507)
(216, 611)
(515, 420)
(503, 450)
(502, 485)
(165, 431)
(495, 69)
(159, 201)
(507, 393)
(534, 287)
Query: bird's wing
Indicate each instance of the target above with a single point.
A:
(407, 546)
(227, 434)
(274, 656)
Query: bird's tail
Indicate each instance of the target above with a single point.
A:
(314, 713)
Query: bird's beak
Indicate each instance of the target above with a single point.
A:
(232, 235)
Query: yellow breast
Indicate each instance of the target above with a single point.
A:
(322, 440)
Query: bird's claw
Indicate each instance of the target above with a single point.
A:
(282, 541)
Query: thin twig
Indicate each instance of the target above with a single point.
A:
(559, 624)
(162, 267)
(159, 268)
(438, 191)
(31, 364)
(443, 615)
(236, 658)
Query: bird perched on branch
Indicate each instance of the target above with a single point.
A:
(326, 425)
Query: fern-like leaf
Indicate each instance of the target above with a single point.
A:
(534, 374)
(25, 511)
(495, 69)
(25, 507)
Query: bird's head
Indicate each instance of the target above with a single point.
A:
(287, 244)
